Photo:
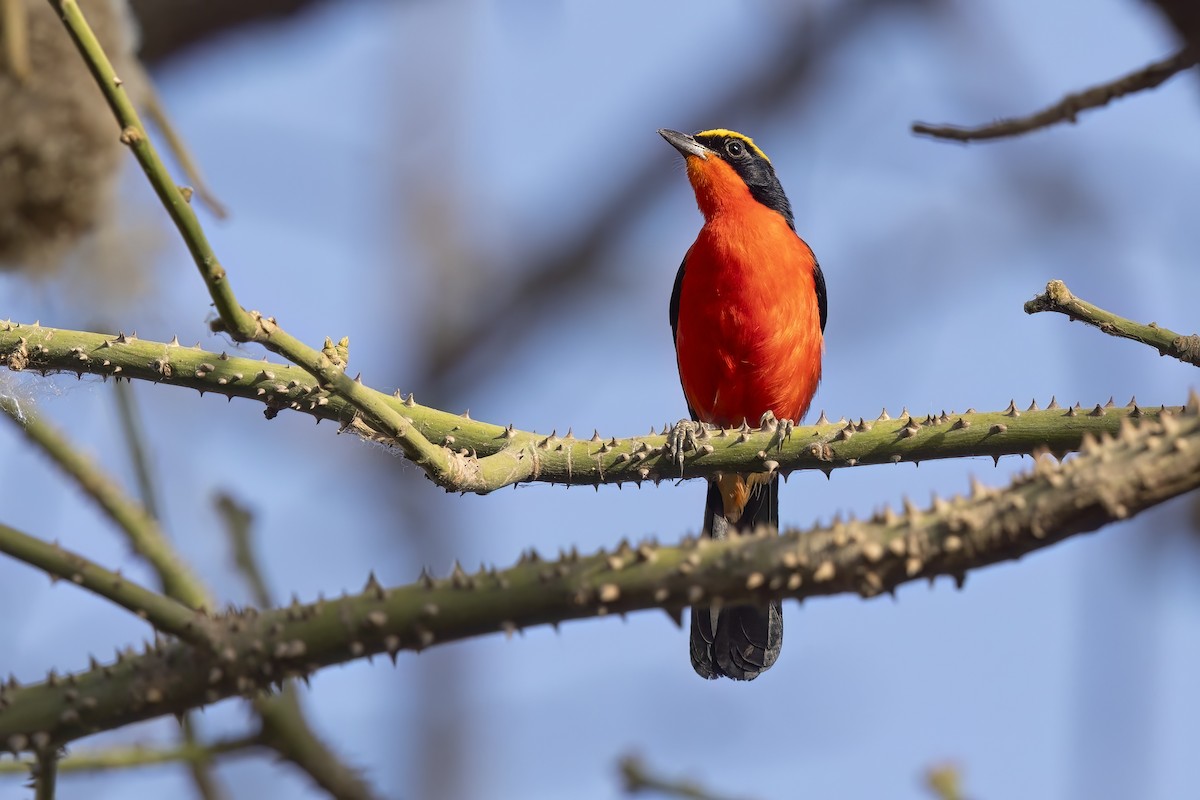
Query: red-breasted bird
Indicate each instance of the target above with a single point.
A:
(748, 316)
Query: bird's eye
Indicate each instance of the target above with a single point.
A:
(734, 148)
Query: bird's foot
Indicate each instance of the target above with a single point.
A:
(782, 429)
(683, 437)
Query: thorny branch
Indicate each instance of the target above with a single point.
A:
(1149, 461)
(327, 365)
(487, 457)
(140, 529)
(1069, 107)
(1167, 342)
(164, 613)
(283, 727)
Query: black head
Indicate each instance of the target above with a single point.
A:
(751, 164)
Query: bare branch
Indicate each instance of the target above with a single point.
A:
(1058, 298)
(1069, 107)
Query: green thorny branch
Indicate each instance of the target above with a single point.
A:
(326, 365)
(1114, 477)
(454, 452)
(1167, 342)
(179, 612)
(489, 457)
(1154, 457)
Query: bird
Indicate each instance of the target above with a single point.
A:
(747, 312)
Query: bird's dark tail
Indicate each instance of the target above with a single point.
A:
(739, 642)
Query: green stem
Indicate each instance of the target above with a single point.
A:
(121, 758)
(131, 426)
(1145, 464)
(1058, 298)
(141, 529)
(242, 325)
(490, 456)
(165, 614)
(45, 779)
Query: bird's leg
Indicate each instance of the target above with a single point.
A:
(683, 437)
(782, 428)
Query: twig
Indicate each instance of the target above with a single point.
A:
(131, 426)
(200, 769)
(204, 777)
(45, 775)
(491, 456)
(285, 729)
(945, 782)
(1058, 298)
(164, 613)
(178, 147)
(1150, 461)
(1066, 109)
(120, 758)
(637, 779)
(237, 520)
(14, 28)
(139, 527)
(149, 541)
(242, 325)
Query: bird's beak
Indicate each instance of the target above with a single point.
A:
(685, 144)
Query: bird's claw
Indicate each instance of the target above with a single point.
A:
(782, 429)
(680, 439)
(683, 437)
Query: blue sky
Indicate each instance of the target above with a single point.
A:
(390, 169)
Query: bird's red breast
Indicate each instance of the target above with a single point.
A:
(749, 336)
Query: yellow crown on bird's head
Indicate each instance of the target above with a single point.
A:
(728, 134)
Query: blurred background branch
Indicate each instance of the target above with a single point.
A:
(638, 779)
(1068, 108)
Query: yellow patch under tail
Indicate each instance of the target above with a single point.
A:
(735, 492)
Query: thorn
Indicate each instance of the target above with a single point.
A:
(883, 416)
(822, 420)
(1098, 411)
(1054, 406)
(1033, 406)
